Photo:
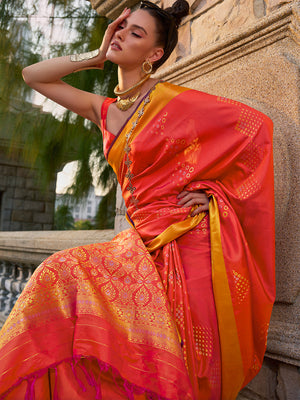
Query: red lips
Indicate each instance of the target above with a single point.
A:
(115, 45)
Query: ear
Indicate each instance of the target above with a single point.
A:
(156, 55)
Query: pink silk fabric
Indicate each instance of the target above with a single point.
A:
(113, 321)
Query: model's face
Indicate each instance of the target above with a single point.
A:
(134, 41)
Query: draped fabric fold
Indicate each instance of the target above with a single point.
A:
(177, 307)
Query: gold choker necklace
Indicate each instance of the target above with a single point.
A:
(118, 93)
(125, 104)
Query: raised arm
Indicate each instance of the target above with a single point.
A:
(45, 77)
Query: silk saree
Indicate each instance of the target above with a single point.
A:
(176, 307)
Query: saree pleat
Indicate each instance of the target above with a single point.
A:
(190, 294)
(177, 307)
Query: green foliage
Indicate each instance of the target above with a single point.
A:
(83, 225)
(63, 218)
(15, 50)
(43, 141)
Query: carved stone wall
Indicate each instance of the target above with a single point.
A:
(248, 50)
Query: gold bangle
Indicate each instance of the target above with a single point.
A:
(84, 56)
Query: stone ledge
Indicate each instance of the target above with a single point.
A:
(275, 381)
(34, 246)
(268, 30)
(112, 8)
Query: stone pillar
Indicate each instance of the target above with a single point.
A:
(120, 221)
(248, 50)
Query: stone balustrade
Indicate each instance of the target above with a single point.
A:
(22, 252)
(13, 278)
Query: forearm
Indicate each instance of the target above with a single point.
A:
(50, 71)
(54, 69)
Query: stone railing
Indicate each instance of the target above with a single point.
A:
(13, 278)
(22, 252)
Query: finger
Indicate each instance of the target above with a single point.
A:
(198, 201)
(202, 198)
(187, 196)
(198, 210)
(110, 31)
(113, 25)
(198, 198)
(193, 193)
(121, 17)
(193, 202)
(182, 194)
(183, 200)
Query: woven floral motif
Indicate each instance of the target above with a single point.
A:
(116, 280)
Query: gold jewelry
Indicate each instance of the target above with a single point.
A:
(84, 56)
(125, 104)
(147, 67)
(118, 93)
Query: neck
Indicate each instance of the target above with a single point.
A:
(128, 78)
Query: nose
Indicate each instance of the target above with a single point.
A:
(120, 34)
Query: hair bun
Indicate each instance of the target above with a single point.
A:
(179, 10)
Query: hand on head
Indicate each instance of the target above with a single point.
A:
(110, 31)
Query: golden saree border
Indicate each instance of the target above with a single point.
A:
(164, 92)
(174, 231)
(231, 358)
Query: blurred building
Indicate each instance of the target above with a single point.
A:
(85, 210)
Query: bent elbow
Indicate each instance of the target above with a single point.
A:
(26, 75)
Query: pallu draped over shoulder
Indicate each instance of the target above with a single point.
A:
(176, 307)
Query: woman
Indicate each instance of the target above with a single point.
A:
(177, 307)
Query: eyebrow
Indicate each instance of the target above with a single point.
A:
(140, 27)
(137, 27)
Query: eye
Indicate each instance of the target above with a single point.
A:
(136, 35)
(120, 27)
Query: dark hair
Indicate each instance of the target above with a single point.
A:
(167, 23)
